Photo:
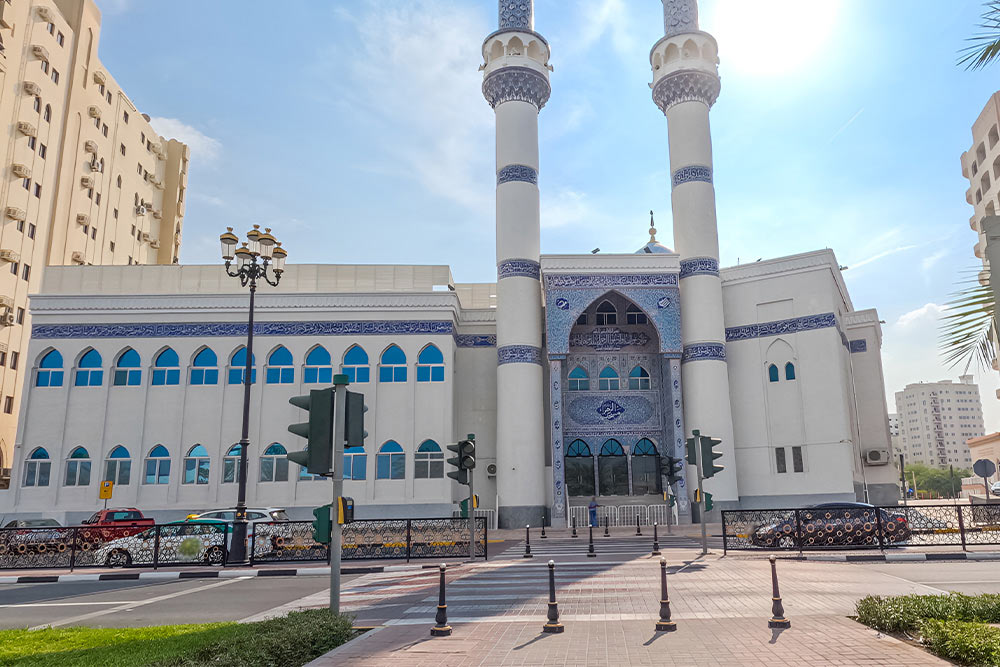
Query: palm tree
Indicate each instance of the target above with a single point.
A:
(984, 47)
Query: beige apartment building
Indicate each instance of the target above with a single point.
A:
(86, 179)
(936, 420)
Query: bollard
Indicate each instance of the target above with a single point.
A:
(778, 619)
(553, 624)
(664, 624)
(590, 549)
(527, 542)
(441, 629)
(606, 533)
(638, 530)
(544, 536)
(656, 542)
(574, 527)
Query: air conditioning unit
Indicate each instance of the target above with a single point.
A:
(21, 170)
(877, 457)
(7, 303)
(154, 244)
(15, 213)
(8, 255)
(145, 237)
(90, 146)
(8, 319)
(99, 77)
(45, 13)
(94, 111)
(78, 257)
(491, 470)
(32, 88)
(140, 209)
(82, 219)
(96, 166)
(87, 181)
(26, 128)
(40, 52)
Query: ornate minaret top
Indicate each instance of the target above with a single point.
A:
(517, 14)
(679, 16)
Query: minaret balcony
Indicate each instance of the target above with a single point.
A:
(686, 51)
(516, 47)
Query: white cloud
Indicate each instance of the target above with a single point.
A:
(927, 263)
(208, 199)
(882, 254)
(605, 18)
(114, 6)
(202, 146)
(926, 314)
(565, 207)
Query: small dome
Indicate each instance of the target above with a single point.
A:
(654, 248)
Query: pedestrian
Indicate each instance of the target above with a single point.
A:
(592, 508)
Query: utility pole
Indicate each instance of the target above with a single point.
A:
(701, 493)
(336, 529)
(472, 506)
(902, 477)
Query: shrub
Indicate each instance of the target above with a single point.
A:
(963, 642)
(905, 612)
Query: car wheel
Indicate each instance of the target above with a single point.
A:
(213, 556)
(786, 542)
(118, 558)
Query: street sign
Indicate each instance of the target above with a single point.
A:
(105, 492)
(984, 468)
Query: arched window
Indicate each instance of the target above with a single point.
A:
(205, 368)
(196, 466)
(579, 469)
(279, 367)
(772, 373)
(612, 448)
(89, 373)
(356, 365)
(390, 461)
(274, 464)
(392, 367)
(578, 380)
(635, 315)
(789, 371)
(37, 469)
(645, 468)
(644, 447)
(606, 314)
(355, 463)
(612, 469)
(158, 466)
(638, 378)
(608, 380)
(47, 116)
(166, 368)
(578, 448)
(118, 466)
(238, 367)
(430, 365)
(319, 368)
(428, 462)
(50, 372)
(127, 369)
(78, 468)
(231, 465)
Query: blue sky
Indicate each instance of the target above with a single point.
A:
(357, 130)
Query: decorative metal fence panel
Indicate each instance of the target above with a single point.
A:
(859, 527)
(373, 539)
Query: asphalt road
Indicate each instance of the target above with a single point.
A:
(971, 577)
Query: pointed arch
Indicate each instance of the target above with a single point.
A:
(635, 315)
(237, 366)
(612, 447)
(390, 461)
(579, 467)
(205, 367)
(50, 370)
(196, 465)
(274, 463)
(612, 469)
(428, 461)
(355, 364)
(157, 466)
(578, 448)
(608, 380)
(772, 373)
(318, 367)
(118, 466)
(638, 379)
(392, 367)
(279, 367)
(789, 371)
(606, 314)
(128, 371)
(430, 364)
(578, 380)
(89, 372)
(644, 447)
(78, 467)
(37, 468)
(645, 468)
(166, 368)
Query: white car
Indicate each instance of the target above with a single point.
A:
(268, 537)
(254, 515)
(995, 489)
(178, 542)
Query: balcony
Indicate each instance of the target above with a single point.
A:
(15, 213)
(40, 52)
(21, 170)
(26, 128)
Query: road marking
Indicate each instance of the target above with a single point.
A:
(945, 583)
(57, 604)
(129, 606)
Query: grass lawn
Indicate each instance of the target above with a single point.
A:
(290, 641)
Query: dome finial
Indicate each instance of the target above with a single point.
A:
(652, 229)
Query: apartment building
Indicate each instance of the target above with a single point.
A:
(936, 419)
(86, 179)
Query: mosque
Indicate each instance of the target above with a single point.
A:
(577, 373)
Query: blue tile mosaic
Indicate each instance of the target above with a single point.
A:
(704, 352)
(519, 268)
(475, 340)
(516, 84)
(517, 172)
(609, 280)
(519, 354)
(516, 14)
(859, 345)
(692, 173)
(618, 409)
(213, 329)
(699, 266)
(608, 339)
(778, 327)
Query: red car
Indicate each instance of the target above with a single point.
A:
(112, 524)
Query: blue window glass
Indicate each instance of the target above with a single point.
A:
(638, 378)
(609, 380)
(205, 368)
(392, 367)
(196, 466)
(127, 371)
(279, 367)
(78, 468)
(356, 365)
(772, 373)
(612, 448)
(633, 315)
(355, 463)
(274, 464)
(89, 373)
(606, 314)
(428, 461)
(578, 448)
(158, 466)
(789, 371)
(430, 365)
(237, 367)
(166, 368)
(50, 373)
(319, 367)
(118, 466)
(37, 469)
(644, 447)
(578, 380)
(390, 462)
(119, 452)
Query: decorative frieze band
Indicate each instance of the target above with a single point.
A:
(692, 173)
(699, 266)
(517, 172)
(704, 352)
(519, 354)
(686, 85)
(516, 84)
(516, 14)
(611, 280)
(475, 340)
(778, 327)
(217, 329)
(519, 268)
(859, 345)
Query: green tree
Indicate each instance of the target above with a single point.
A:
(935, 480)
(984, 47)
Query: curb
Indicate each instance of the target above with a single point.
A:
(898, 557)
(205, 574)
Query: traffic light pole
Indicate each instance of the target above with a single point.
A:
(701, 496)
(472, 517)
(336, 529)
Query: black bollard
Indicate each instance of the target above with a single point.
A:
(544, 536)
(441, 629)
(527, 542)
(638, 530)
(606, 533)
(553, 624)
(590, 549)
(574, 527)
(656, 542)
(778, 619)
(664, 624)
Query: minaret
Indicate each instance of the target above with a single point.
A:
(516, 85)
(685, 86)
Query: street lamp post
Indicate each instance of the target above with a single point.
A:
(253, 258)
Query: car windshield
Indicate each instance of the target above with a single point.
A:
(125, 515)
(279, 515)
(38, 523)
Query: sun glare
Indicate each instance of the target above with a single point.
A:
(770, 37)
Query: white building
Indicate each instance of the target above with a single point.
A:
(936, 419)
(575, 372)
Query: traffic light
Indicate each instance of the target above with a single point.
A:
(321, 525)
(463, 461)
(708, 500)
(708, 456)
(317, 457)
(354, 420)
(691, 451)
(463, 506)
(670, 467)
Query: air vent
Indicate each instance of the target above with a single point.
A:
(8, 319)
(26, 128)
(7, 303)
(21, 170)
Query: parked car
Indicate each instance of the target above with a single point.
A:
(995, 489)
(267, 536)
(178, 542)
(22, 536)
(834, 524)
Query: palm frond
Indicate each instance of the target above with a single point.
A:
(968, 328)
(985, 47)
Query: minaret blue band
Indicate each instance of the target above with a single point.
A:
(516, 14)
(859, 345)
(519, 268)
(519, 354)
(517, 172)
(699, 266)
(690, 174)
(704, 352)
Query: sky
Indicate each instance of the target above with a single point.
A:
(356, 129)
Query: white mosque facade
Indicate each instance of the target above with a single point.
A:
(575, 372)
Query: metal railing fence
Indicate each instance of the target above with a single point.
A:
(489, 514)
(884, 527)
(622, 515)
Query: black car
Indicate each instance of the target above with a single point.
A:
(838, 524)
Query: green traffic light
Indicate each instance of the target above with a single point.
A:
(321, 525)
